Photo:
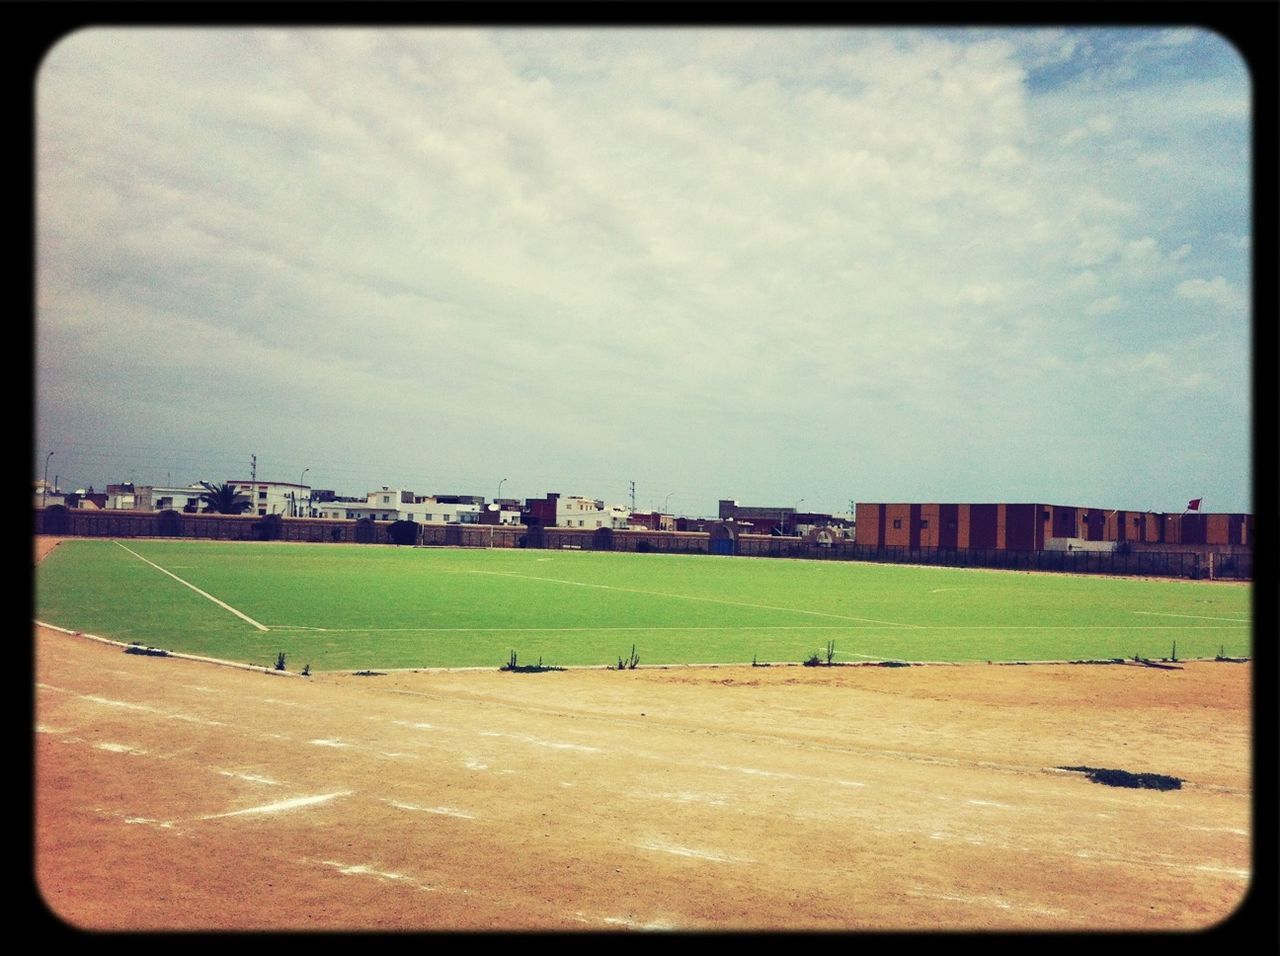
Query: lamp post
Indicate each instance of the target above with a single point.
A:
(300, 477)
(44, 487)
(795, 518)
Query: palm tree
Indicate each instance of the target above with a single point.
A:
(223, 499)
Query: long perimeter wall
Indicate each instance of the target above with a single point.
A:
(1156, 559)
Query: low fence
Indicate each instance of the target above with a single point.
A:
(1169, 564)
(1233, 564)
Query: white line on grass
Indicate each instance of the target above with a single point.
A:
(1198, 617)
(765, 627)
(689, 597)
(205, 594)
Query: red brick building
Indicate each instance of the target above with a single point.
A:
(1037, 527)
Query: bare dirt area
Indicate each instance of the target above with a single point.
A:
(177, 795)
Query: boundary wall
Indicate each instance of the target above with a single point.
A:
(1232, 563)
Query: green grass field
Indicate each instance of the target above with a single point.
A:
(342, 607)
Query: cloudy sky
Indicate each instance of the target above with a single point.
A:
(785, 266)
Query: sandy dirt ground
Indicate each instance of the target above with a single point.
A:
(173, 794)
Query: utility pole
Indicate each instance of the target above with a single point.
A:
(44, 487)
(633, 496)
(253, 468)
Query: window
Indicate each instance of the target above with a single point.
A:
(262, 496)
(897, 523)
(924, 523)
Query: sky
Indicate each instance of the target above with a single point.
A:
(790, 266)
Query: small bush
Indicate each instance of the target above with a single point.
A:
(629, 663)
(280, 661)
(537, 668)
(306, 670)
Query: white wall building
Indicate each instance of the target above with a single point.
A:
(576, 511)
(394, 504)
(284, 498)
(167, 497)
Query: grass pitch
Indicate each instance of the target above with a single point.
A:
(340, 607)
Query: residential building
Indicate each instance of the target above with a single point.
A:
(574, 511)
(779, 520)
(394, 504)
(1039, 527)
(285, 498)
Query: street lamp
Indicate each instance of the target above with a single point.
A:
(499, 495)
(667, 501)
(795, 518)
(300, 477)
(44, 488)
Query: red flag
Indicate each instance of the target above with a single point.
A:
(1194, 504)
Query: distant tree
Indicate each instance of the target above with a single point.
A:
(403, 532)
(223, 499)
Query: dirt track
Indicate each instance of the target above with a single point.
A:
(172, 794)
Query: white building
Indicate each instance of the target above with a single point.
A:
(576, 511)
(394, 504)
(167, 497)
(284, 498)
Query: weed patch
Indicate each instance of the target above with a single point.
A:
(147, 651)
(515, 667)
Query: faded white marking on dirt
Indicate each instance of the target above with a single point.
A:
(329, 743)
(281, 806)
(990, 803)
(363, 869)
(1200, 867)
(188, 718)
(394, 755)
(676, 850)
(251, 777)
(1236, 830)
(108, 702)
(752, 771)
(995, 901)
(413, 725)
(686, 797)
(163, 824)
(119, 748)
(553, 744)
(473, 764)
(204, 594)
(633, 924)
(442, 811)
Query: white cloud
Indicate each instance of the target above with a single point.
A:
(1110, 304)
(1216, 291)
